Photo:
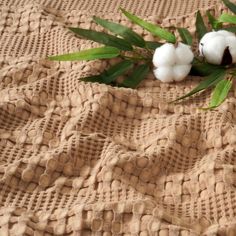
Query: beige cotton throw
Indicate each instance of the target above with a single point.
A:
(89, 159)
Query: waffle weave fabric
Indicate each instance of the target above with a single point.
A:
(89, 159)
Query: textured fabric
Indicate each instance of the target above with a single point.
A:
(89, 159)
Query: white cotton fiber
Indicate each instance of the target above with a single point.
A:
(172, 63)
(213, 44)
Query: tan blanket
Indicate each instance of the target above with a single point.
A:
(88, 159)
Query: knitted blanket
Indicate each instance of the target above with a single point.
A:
(82, 158)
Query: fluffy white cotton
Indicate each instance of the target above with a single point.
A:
(231, 43)
(213, 45)
(164, 73)
(214, 50)
(172, 63)
(168, 55)
(180, 71)
(207, 37)
(184, 54)
(225, 33)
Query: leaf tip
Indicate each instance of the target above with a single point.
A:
(51, 58)
(123, 10)
(174, 101)
(72, 29)
(206, 108)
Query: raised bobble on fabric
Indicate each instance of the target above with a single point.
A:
(44, 180)
(96, 224)
(28, 174)
(51, 164)
(116, 227)
(142, 162)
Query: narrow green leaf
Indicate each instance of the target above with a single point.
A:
(226, 18)
(220, 92)
(94, 78)
(200, 26)
(230, 28)
(211, 80)
(110, 75)
(202, 68)
(215, 24)
(103, 38)
(118, 69)
(154, 29)
(89, 54)
(152, 45)
(230, 5)
(185, 36)
(122, 31)
(137, 76)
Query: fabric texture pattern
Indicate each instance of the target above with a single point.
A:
(89, 159)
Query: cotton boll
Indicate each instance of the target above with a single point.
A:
(184, 55)
(233, 53)
(164, 73)
(206, 38)
(213, 46)
(231, 43)
(173, 63)
(164, 55)
(181, 71)
(214, 49)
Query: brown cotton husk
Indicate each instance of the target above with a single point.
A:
(227, 58)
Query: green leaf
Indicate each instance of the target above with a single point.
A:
(230, 28)
(215, 24)
(110, 75)
(89, 54)
(154, 29)
(113, 72)
(220, 93)
(201, 68)
(136, 77)
(121, 30)
(210, 81)
(93, 78)
(103, 38)
(230, 5)
(226, 18)
(200, 26)
(152, 45)
(185, 36)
